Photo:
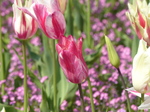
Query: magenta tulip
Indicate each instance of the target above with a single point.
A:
(71, 59)
(24, 25)
(49, 17)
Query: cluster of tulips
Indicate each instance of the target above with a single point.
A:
(48, 16)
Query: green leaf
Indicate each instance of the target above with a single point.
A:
(135, 45)
(66, 89)
(33, 52)
(9, 108)
(31, 109)
(35, 79)
(6, 63)
(44, 104)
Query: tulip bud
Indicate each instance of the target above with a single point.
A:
(62, 4)
(24, 25)
(112, 54)
(3, 110)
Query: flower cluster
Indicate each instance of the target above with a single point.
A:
(139, 18)
(49, 16)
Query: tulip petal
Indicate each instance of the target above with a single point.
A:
(145, 104)
(55, 25)
(41, 14)
(51, 5)
(133, 91)
(72, 67)
(29, 11)
(141, 71)
(142, 46)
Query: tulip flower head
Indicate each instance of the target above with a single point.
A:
(24, 25)
(141, 69)
(71, 59)
(139, 17)
(49, 17)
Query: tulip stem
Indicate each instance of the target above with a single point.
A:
(127, 95)
(2, 77)
(91, 95)
(147, 1)
(142, 100)
(81, 98)
(54, 75)
(89, 24)
(25, 76)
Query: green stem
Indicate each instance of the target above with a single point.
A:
(142, 100)
(81, 98)
(127, 95)
(147, 1)
(69, 19)
(1, 60)
(25, 76)
(54, 75)
(91, 95)
(89, 24)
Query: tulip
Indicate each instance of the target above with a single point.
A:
(71, 59)
(24, 25)
(139, 17)
(49, 17)
(141, 69)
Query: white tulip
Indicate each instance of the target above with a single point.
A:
(141, 69)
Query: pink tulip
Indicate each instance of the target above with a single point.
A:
(24, 25)
(71, 59)
(49, 17)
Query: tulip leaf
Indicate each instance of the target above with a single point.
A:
(44, 104)
(6, 63)
(66, 89)
(33, 52)
(31, 109)
(135, 45)
(35, 79)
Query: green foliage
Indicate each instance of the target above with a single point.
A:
(135, 45)
(75, 18)
(9, 108)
